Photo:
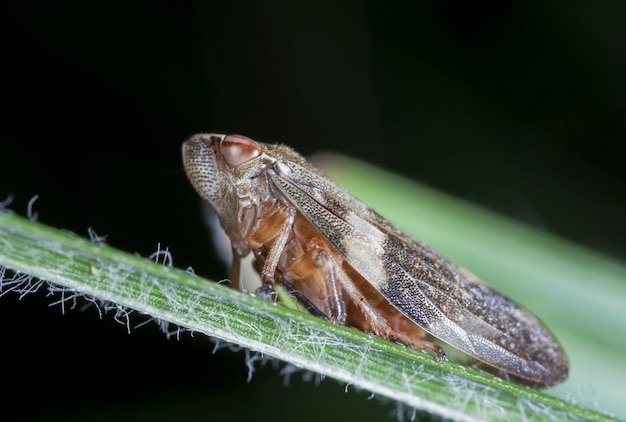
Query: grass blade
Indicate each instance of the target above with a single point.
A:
(385, 368)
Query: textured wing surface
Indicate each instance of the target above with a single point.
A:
(444, 299)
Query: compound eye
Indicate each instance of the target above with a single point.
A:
(237, 149)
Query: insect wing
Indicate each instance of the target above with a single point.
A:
(444, 299)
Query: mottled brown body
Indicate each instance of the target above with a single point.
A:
(353, 266)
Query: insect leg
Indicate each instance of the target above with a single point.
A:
(379, 324)
(235, 272)
(267, 292)
(275, 228)
(302, 299)
(318, 263)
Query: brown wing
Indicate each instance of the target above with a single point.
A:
(444, 299)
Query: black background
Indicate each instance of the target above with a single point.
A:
(519, 107)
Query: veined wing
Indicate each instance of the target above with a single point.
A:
(444, 299)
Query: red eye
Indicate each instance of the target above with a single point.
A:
(238, 149)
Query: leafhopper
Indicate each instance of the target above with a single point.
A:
(346, 263)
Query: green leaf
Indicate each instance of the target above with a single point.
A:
(365, 361)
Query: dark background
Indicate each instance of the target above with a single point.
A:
(517, 106)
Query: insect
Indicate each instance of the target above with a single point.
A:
(347, 263)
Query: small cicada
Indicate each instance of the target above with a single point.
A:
(345, 262)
